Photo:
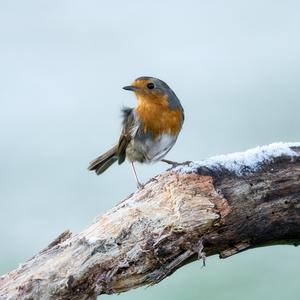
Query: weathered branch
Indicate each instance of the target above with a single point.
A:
(220, 206)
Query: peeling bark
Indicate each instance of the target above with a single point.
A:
(176, 219)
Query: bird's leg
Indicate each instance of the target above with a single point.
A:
(170, 162)
(139, 185)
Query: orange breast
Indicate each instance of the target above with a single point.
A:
(157, 118)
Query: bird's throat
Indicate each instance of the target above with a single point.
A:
(157, 118)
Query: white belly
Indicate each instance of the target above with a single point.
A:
(143, 148)
(155, 150)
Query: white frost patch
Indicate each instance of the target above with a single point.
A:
(92, 240)
(243, 162)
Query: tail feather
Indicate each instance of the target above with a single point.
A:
(104, 161)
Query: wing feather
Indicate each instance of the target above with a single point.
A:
(129, 124)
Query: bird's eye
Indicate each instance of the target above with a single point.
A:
(150, 85)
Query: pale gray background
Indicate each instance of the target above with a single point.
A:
(235, 67)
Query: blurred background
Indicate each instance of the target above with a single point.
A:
(235, 65)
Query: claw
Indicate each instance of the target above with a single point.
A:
(140, 186)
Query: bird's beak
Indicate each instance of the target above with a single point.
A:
(130, 88)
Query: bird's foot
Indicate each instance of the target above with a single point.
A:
(140, 186)
(170, 162)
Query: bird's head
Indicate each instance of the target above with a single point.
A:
(154, 90)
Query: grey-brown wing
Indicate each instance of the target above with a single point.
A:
(126, 136)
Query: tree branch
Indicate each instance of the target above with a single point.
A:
(224, 205)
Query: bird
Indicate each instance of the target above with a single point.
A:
(149, 130)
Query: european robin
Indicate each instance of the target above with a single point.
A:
(149, 130)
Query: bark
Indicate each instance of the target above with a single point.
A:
(176, 219)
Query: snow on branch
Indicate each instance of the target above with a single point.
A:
(223, 205)
(241, 163)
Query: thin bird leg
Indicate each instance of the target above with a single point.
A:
(139, 185)
(170, 162)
